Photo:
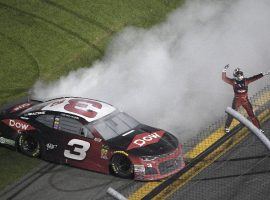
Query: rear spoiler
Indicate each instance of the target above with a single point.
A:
(26, 99)
(36, 100)
(31, 98)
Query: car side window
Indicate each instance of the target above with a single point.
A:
(86, 132)
(68, 125)
(47, 120)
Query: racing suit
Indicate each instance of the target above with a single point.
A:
(241, 97)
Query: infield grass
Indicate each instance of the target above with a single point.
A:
(44, 39)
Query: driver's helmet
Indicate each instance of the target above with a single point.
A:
(238, 74)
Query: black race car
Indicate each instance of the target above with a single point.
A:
(90, 134)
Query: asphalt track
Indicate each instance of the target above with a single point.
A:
(243, 173)
(52, 181)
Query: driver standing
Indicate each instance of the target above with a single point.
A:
(240, 87)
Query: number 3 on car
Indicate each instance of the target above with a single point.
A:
(78, 153)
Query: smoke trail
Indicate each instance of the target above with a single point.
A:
(170, 75)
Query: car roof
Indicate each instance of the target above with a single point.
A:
(88, 109)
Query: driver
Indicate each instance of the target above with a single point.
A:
(240, 87)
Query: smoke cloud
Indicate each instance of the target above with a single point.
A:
(169, 76)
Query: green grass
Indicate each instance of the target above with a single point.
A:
(42, 39)
(14, 165)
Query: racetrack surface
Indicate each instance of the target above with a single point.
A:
(51, 181)
(242, 173)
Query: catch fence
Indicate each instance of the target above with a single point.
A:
(219, 165)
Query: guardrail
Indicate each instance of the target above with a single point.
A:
(250, 126)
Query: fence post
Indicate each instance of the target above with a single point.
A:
(115, 194)
(250, 126)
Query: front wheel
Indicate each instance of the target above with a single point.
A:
(121, 166)
(29, 145)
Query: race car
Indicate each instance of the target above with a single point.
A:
(92, 135)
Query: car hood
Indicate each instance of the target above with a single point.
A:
(145, 141)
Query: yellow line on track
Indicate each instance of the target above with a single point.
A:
(199, 148)
(208, 160)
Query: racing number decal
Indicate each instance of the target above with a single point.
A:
(83, 107)
(78, 153)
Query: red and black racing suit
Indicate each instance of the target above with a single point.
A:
(241, 97)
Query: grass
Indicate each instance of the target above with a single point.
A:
(14, 165)
(45, 39)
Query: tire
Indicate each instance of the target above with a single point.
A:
(29, 145)
(121, 166)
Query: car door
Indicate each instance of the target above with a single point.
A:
(80, 147)
(51, 139)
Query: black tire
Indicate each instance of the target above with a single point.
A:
(29, 145)
(121, 166)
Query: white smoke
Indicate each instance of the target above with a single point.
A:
(169, 76)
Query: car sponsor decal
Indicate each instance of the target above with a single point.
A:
(7, 141)
(145, 139)
(149, 165)
(104, 152)
(139, 171)
(36, 113)
(70, 116)
(51, 146)
(20, 107)
(18, 125)
(56, 123)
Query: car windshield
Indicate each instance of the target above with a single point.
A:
(115, 125)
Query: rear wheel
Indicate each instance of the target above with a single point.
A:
(121, 166)
(29, 145)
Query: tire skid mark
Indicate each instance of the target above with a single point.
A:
(48, 167)
(70, 32)
(29, 55)
(82, 17)
(57, 188)
(25, 179)
(65, 169)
